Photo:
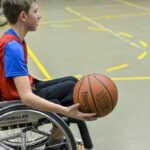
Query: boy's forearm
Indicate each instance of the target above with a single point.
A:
(39, 103)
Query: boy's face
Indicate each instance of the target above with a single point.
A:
(33, 18)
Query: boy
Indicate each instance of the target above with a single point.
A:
(15, 81)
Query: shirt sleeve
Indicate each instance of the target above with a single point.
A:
(14, 60)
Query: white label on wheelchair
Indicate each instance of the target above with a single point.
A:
(19, 117)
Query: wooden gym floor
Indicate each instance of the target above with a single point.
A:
(112, 37)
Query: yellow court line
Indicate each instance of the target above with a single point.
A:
(102, 27)
(135, 45)
(93, 18)
(119, 78)
(117, 67)
(127, 35)
(145, 45)
(39, 64)
(134, 5)
(78, 76)
(142, 55)
(97, 6)
(96, 29)
(122, 78)
(62, 21)
(111, 32)
(131, 78)
(43, 70)
(48, 77)
(91, 21)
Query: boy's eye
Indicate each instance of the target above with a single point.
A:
(35, 11)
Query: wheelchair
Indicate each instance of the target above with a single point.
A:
(25, 128)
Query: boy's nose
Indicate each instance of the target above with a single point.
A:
(39, 16)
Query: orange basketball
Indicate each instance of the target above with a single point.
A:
(96, 93)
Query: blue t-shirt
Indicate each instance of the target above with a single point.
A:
(14, 59)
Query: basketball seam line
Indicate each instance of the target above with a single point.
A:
(93, 96)
(111, 101)
(88, 101)
(80, 88)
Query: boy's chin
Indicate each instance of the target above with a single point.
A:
(33, 29)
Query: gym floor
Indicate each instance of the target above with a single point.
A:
(78, 37)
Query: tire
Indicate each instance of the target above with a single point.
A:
(23, 128)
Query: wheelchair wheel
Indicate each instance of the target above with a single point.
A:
(28, 129)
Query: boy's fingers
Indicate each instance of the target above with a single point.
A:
(75, 106)
(90, 116)
(80, 115)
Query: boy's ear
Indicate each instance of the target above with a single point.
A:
(23, 16)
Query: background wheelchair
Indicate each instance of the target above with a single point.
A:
(24, 128)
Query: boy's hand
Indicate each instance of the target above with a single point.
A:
(73, 112)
